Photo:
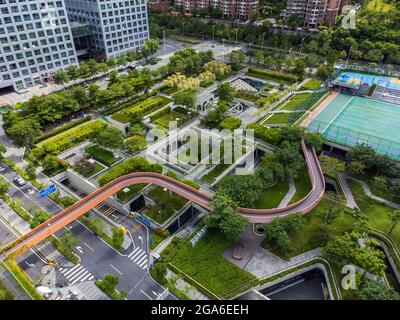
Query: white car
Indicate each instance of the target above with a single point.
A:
(2, 169)
(19, 181)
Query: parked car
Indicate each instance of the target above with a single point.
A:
(19, 180)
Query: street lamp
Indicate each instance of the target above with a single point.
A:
(262, 42)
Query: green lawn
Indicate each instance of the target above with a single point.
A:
(205, 264)
(166, 204)
(211, 176)
(171, 116)
(133, 189)
(102, 155)
(272, 196)
(303, 185)
(277, 118)
(311, 85)
(294, 102)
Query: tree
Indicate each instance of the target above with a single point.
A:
(290, 159)
(23, 132)
(376, 290)
(60, 77)
(109, 283)
(185, 98)
(31, 172)
(224, 217)
(380, 182)
(237, 57)
(245, 189)
(72, 72)
(50, 163)
(39, 217)
(363, 154)
(68, 242)
(3, 188)
(2, 150)
(356, 168)
(259, 55)
(218, 68)
(314, 139)
(215, 116)
(394, 219)
(117, 238)
(266, 175)
(331, 167)
(110, 138)
(225, 92)
(149, 48)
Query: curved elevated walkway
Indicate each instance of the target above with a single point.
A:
(92, 200)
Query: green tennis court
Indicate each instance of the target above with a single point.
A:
(352, 120)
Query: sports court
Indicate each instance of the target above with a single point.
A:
(351, 120)
(355, 80)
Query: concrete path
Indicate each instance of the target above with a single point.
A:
(265, 263)
(350, 202)
(248, 241)
(369, 193)
(289, 195)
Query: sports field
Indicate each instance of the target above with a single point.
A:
(350, 120)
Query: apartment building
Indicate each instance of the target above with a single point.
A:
(35, 41)
(315, 12)
(234, 9)
(117, 26)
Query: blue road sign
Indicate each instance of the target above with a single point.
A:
(144, 220)
(45, 192)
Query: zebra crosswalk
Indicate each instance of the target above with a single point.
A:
(139, 257)
(76, 274)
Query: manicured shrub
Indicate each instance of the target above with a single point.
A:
(272, 75)
(72, 137)
(230, 123)
(131, 165)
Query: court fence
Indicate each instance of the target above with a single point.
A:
(351, 138)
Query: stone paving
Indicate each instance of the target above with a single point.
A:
(265, 263)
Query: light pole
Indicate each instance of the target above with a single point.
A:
(237, 30)
(164, 41)
(262, 42)
(213, 27)
(301, 48)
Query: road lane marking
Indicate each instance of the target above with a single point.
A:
(133, 252)
(146, 295)
(116, 269)
(89, 246)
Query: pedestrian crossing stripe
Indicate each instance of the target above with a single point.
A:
(76, 274)
(139, 257)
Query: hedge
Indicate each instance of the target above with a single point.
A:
(127, 104)
(140, 109)
(56, 131)
(230, 123)
(268, 74)
(22, 279)
(128, 166)
(160, 113)
(72, 137)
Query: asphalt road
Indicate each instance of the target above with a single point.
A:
(97, 257)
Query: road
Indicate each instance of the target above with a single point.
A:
(97, 257)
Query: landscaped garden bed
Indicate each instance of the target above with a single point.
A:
(205, 264)
(129, 192)
(102, 155)
(166, 204)
(71, 137)
(140, 109)
(272, 75)
(212, 176)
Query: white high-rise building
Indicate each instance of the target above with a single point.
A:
(35, 41)
(118, 26)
